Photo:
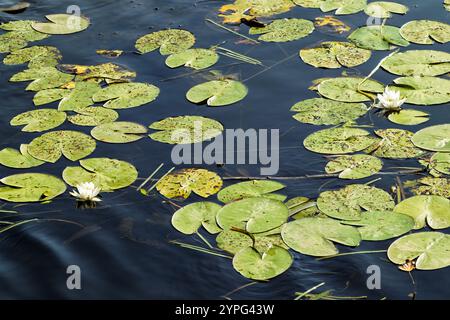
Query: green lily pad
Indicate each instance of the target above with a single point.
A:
(255, 215)
(182, 183)
(36, 57)
(349, 89)
(354, 167)
(11, 42)
(429, 248)
(18, 159)
(253, 8)
(119, 132)
(20, 32)
(126, 95)
(251, 264)
(52, 145)
(385, 9)
(93, 116)
(431, 210)
(409, 117)
(435, 138)
(233, 241)
(418, 63)
(426, 31)
(338, 141)
(168, 41)
(334, 54)
(447, 5)
(395, 144)
(185, 129)
(283, 30)
(378, 37)
(107, 174)
(423, 90)
(42, 78)
(250, 189)
(109, 72)
(440, 162)
(62, 24)
(315, 236)
(217, 93)
(382, 225)
(342, 7)
(193, 58)
(31, 187)
(433, 186)
(190, 218)
(321, 111)
(349, 203)
(39, 120)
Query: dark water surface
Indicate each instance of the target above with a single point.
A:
(34, 258)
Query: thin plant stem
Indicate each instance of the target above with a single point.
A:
(150, 177)
(351, 253)
(204, 240)
(167, 173)
(302, 294)
(232, 31)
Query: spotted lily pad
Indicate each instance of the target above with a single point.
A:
(283, 30)
(119, 132)
(435, 138)
(193, 58)
(409, 117)
(42, 78)
(18, 159)
(426, 31)
(254, 215)
(384, 9)
(36, 57)
(106, 71)
(168, 41)
(248, 9)
(62, 24)
(185, 129)
(39, 120)
(418, 63)
(107, 174)
(354, 167)
(20, 32)
(338, 141)
(190, 218)
(218, 92)
(126, 95)
(181, 184)
(10, 42)
(432, 186)
(378, 37)
(233, 241)
(31, 187)
(321, 111)
(429, 248)
(350, 89)
(394, 144)
(342, 7)
(334, 54)
(93, 116)
(250, 189)
(431, 210)
(315, 236)
(349, 203)
(51, 146)
(423, 90)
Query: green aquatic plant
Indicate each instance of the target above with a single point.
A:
(126, 95)
(167, 41)
(394, 144)
(434, 138)
(350, 89)
(62, 24)
(190, 218)
(218, 93)
(342, 7)
(93, 116)
(426, 32)
(418, 63)
(197, 59)
(385, 9)
(119, 132)
(42, 78)
(283, 30)
(355, 166)
(18, 159)
(378, 37)
(409, 117)
(39, 120)
(251, 189)
(35, 56)
(76, 98)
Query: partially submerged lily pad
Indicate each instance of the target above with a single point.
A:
(126, 95)
(385, 9)
(62, 24)
(190, 218)
(39, 120)
(119, 132)
(394, 144)
(193, 58)
(18, 159)
(426, 31)
(93, 116)
(378, 37)
(435, 138)
(283, 30)
(168, 41)
(418, 63)
(423, 90)
(350, 89)
(217, 92)
(251, 189)
(354, 167)
(342, 7)
(409, 117)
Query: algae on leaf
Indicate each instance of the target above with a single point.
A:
(168, 41)
(350, 89)
(42, 78)
(394, 144)
(283, 30)
(93, 116)
(36, 57)
(119, 132)
(126, 95)
(426, 31)
(354, 167)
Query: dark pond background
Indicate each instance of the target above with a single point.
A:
(124, 252)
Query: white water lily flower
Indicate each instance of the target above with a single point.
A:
(86, 191)
(390, 100)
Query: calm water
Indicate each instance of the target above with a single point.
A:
(124, 250)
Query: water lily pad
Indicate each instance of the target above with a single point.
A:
(338, 141)
(51, 146)
(168, 41)
(409, 117)
(378, 37)
(334, 54)
(350, 89)
(107, 174)
(18, 159)
(354, 167)
(385, 9)
(14, 8)
(119, 132)
(62, 24)
(426, 31)
(251, 264)
(250, 189)
(185, 129)
(182, 183)
(341, 6)
(36, 57)
(190, 218)
(315, 236)
(39, 120)
(249, 9)
(126, 95)
(440, 162)
(435, 138)
(431, 210)
(283, 30)
(233, 241)
(349, 203)
(11, 42)
(254, 215)
(193, 58)
(321, 111)
(217, 92)
(109, 53)
(20, 32)
(42, 78)
(109, 72)
(429, 248)
(382, 225)
(423, 90)
(31, 187)
(395, 144)
(418, 63)
(432, 186)
(93, 116)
